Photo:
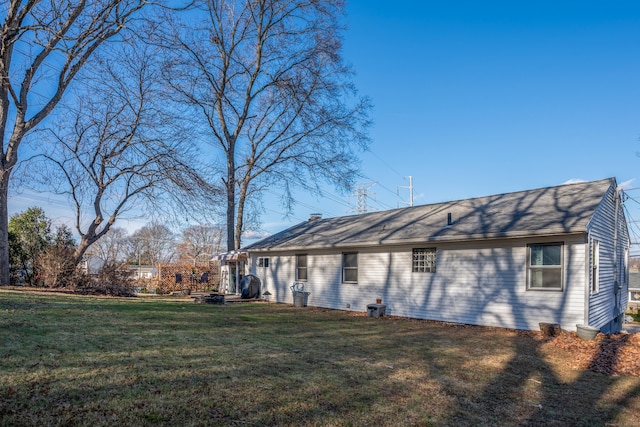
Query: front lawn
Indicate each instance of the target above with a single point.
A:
(74, 360)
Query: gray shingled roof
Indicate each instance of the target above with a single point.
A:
(563, 209)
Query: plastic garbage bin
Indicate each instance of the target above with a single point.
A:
(298, 299)
(300, 296)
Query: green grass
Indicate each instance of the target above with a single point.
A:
(72, 360)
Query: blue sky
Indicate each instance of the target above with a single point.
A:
(477, 98)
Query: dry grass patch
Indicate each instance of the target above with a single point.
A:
(72, 360)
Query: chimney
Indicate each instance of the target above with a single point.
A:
(315, 216)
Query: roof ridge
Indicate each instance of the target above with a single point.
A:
(537, 211)
(445, 202)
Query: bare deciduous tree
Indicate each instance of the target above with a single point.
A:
(112, 246)
(152, 244)
(121, 150)
(43, 46)
(268, 81)
(201, 241)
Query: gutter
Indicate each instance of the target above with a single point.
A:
(405, 242)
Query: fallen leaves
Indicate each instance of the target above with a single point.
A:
(615, 354)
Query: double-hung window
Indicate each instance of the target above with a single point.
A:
(301, 267)
(350, 267)
(544, 266)
(424, 260)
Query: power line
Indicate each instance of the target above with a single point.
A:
(634, 227)
(395, 193)
(385, 163)
(283, 214)
(306, 205)
(382, 204)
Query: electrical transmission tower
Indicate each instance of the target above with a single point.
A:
(362, 194)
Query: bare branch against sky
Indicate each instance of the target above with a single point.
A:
(43, 46)
(271, 94)
(121, 149)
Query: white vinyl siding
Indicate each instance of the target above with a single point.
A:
(481, 283)
(608, 302)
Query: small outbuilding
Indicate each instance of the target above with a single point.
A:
(551, 255)
(232, 269)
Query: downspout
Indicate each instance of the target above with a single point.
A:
(587, 288)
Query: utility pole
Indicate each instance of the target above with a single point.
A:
(139, 267)
(410, 187)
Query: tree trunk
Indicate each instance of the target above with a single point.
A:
(240, 217)
(231, 199)
(4, 226)
(79, 252)
(231, 243)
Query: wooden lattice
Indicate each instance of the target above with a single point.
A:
(204, 276)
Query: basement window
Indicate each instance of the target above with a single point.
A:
(424, 260)
(544, 266)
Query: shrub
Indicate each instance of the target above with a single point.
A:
(56, 268)
(113, 280)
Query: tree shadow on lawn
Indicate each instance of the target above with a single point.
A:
(530, 391)
(527, 386)
(326, 370)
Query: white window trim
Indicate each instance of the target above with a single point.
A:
(561, 267)
(594, 279)
(351, 268)
(298, 279)
(432, 268)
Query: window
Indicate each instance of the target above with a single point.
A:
(544, 267)
(424, 260)
(263, 262)
(301, 267)
(625, 268)
(350, 267)
(595, 263)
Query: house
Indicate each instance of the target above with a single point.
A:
(634, 287)
(554, 255)
(138, 272)
(91, 264)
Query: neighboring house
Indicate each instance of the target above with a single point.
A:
(556, 254)
(142, 271)
(91, 264)
(634, 287)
